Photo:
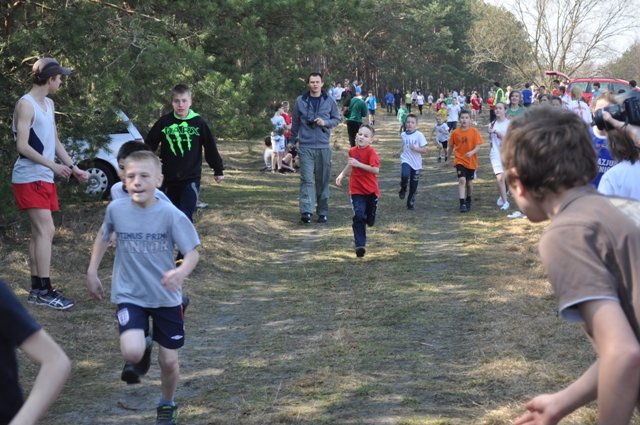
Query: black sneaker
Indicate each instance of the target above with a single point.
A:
(51, 298)
(322, 219)
(131, 373)
(360, 251)
(468, 204)
(305, 218)
(463, 208)
(167, 415)
(439, 159)
(402, 193)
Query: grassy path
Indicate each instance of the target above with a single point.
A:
(447, 320)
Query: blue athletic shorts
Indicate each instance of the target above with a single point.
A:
(168, 323)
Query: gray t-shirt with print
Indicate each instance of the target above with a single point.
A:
(145, 241)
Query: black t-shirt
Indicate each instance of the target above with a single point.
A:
(15, 327)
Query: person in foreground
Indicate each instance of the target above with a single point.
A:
(363, 166)
(146, 283)
(19, 330)
(590, 253)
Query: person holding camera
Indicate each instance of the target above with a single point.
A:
(314, 115)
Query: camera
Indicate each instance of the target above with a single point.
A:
(626, 108)
(311, 123)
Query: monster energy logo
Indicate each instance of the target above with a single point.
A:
(179, 136)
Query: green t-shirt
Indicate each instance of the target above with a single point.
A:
(402, 114)
(357, 110)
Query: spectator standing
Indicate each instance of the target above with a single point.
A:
(590, 256)
(314, 115)
(527, 95)
(38, 145)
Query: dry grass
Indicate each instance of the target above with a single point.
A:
(448, 320)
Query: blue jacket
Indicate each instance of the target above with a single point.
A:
(308, 134)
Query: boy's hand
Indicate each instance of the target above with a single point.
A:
(80, 175)
(218, 179)
(354, 162)
(172, 280)
(542, 410)
(94, 286)
(339, 180)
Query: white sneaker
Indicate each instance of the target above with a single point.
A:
(516, 214)
(505, 206)
(500, 201)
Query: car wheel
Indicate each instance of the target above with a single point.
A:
(101, 178)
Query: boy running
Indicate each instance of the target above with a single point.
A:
(414, 144)
(363, 166)
(465, 142)
(441, 134)
(145, 282)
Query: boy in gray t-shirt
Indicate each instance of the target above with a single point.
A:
(146, 282)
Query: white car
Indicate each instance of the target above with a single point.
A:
(103, 165)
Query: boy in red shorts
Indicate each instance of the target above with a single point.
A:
(38, 145)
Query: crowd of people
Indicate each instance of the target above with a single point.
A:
(550, 161)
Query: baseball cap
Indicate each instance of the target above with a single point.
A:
(358, 90)
(49, 67)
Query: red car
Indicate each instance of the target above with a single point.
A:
(612, 85)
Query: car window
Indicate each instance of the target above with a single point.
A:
(616, 87)
(582, 84)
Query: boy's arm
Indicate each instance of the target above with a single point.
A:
(346, 172)
(93, 282)
(172, 279)
(614, 379)
(366, 167)
(54, 371)
(618, 359)
(211, 153)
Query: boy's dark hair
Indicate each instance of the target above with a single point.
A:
(633, 83)
(549, 150)
(412, 116)
(497, 84)
(180, 89)
(621, 146)
(556, 81)
(596, 84)
(128, 148)
(314, 74)
(464, 112)
(267, 141)
(527, 85)
(558, 98)
(562, 89)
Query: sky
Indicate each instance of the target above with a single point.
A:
(619, 43)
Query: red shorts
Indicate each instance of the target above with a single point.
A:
(40, 195)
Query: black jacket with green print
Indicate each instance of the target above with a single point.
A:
(181, 143)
